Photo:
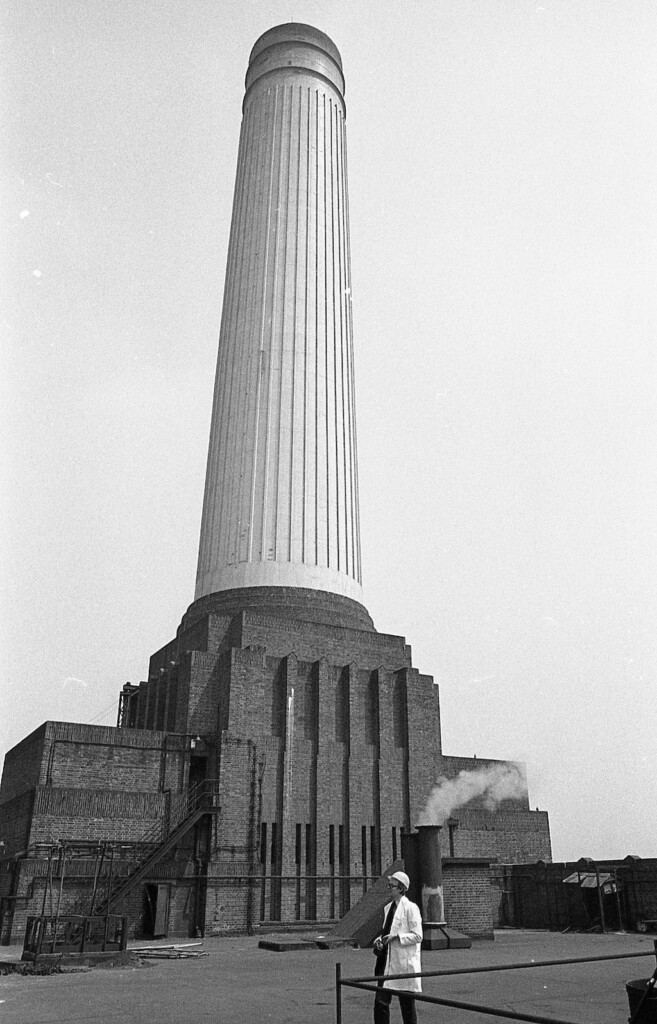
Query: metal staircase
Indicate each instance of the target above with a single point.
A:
(189, 808)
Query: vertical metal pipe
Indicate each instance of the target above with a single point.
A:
(100, 855)
(338, 992)
(48, 882)
(62, 861)
(109, 897)
(431, 874)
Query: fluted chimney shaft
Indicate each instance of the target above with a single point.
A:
(281, 493)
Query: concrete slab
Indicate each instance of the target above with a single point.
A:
(285, 945)
(240, 983)
(456, 940)
(334, 943)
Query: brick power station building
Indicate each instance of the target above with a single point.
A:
(267, 767)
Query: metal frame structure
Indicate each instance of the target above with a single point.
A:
(74, 933)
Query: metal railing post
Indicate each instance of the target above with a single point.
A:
(62, 862)
(338, 993)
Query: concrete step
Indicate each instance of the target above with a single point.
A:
(286, 942)
(293, 927)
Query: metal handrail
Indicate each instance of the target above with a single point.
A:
(371, 983)
(200, 797)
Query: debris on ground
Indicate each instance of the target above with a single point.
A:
(181, 951)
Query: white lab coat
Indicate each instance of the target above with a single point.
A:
(404, 946)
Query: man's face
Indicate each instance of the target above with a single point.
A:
(395, 891)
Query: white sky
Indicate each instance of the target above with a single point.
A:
(502, 168)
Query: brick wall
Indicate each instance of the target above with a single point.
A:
(512, 836)
(15, 816)
(312, 640)
(22, 767)
(81, 783)
(104, 757)
(94, 814)
(326, 743)
(467, 894)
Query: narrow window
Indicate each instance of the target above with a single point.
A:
(364, 855)
(274, 842)
(375, 860)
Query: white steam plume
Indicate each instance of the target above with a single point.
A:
(496, 783)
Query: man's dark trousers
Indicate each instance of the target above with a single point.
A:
(383, 998)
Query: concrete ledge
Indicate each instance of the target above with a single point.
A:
(337, 943)
(302, 603)
(456, 940)
(286, 944)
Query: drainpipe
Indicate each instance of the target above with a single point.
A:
(47, 886)
(109, 897)
(62, 862)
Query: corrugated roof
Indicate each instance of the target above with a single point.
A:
(589, 880)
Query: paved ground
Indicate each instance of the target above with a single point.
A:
(237, 983)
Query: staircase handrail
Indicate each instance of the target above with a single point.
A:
(202, 796)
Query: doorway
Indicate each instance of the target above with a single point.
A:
(198, 770)
(156, 911)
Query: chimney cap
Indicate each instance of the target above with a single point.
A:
(296, 32)
(285, 48)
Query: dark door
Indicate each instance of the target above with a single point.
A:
(161, 926)
(156, 911)
(198, 770)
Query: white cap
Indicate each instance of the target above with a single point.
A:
(401, 876)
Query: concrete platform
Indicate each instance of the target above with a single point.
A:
(286, 943)
(240, 983)
(441, 936)
(456, 940)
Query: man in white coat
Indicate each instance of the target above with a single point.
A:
(398, 952)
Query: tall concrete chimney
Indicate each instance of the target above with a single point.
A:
(281, 493)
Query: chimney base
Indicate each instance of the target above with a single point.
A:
(441, 936)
